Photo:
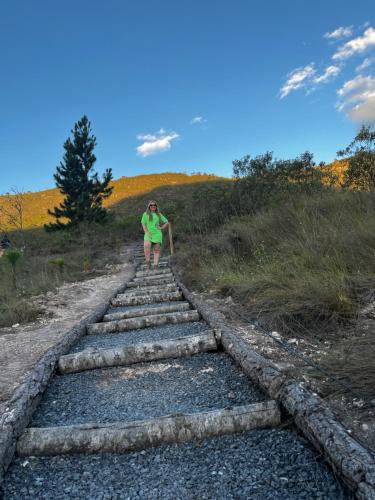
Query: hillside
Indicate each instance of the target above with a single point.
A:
(37, 204)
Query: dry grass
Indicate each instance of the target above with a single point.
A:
(310, 261)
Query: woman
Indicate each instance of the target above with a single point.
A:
(153, 222)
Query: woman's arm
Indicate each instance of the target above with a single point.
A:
(165, 222)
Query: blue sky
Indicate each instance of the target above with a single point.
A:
(181, 85)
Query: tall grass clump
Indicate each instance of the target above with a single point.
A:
(293, 248)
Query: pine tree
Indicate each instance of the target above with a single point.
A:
(84, 191)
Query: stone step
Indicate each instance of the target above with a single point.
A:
(140, 274)
(122, 437)
(142, 322)
(151, 277)
(144, 289)
(148, 283)
(93, 358)
(147, 311)
(150, 298)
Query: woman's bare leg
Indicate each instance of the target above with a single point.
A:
(147, 249)
(156, 255)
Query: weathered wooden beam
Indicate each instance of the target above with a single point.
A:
(143, 267)
(140, 274)
(124, 437)
(148, 283)
(123, 325)
(142, 290)
(92, 358)
(150, 298)
(147, 311)
(152, 277)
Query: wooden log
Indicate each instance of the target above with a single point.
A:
(152, 272)
(142, 322)
(124, 437)
(147, 311)
(170, 235)
(148, 283)
(162, 264)
(151, 277)
(150, 298)
(93, 358)
(142, 290)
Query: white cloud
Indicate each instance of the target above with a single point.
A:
(329, 73)
(297, 79)
(197, 119)
(356, 46)
(155, 143)
(369, 61)
(357, 99)
(337, 34)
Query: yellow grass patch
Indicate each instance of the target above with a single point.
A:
(36, 205)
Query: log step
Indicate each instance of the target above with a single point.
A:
(147, 311)
(92, 358)
(150, 298)
(124, 437)
(142, 322)
(159, 281)
(142, 290)
(140, 274)
(162, 264)
(150, 277)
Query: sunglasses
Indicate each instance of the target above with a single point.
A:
(153, 205)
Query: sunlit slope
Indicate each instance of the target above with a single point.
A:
(338, 168)
(37, 204)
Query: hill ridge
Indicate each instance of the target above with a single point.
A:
(37, 203)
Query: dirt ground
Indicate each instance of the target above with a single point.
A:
(21, 346)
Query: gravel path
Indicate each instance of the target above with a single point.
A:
(132, 337)
(261, 464)
(254, 465)
(198, 383)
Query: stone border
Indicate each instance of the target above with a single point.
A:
(352, 462)
(27, 396)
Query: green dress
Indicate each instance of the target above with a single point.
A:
(153, 227)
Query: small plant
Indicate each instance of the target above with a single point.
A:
(58, 263)
(260, 253)
(86, 265)
(13, 255)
